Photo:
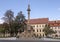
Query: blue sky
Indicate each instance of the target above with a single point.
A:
(39, 8)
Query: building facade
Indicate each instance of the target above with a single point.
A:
(39, 24)
(55, 25)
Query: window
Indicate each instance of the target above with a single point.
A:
(43, 25)
(37, 35)
(37, 25)
(40, 25)
(40, 30)
(43, 30)
(37, 30)
(40, 34)
(43, 35)
(33, 30)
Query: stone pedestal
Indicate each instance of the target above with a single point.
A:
(26, 34)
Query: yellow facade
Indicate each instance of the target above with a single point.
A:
(57, 30)
(38, 29)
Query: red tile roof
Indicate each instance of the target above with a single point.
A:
(57, 21)
(45, 21)
(39, 21)
(54, 23)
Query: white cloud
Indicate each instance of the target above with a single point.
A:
(1, 21)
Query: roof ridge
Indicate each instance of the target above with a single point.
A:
(39, 18)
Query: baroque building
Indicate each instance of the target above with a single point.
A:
(55, 25)
(39, 24)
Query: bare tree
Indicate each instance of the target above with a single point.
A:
(8, 18)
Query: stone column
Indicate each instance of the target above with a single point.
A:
(28, 23)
